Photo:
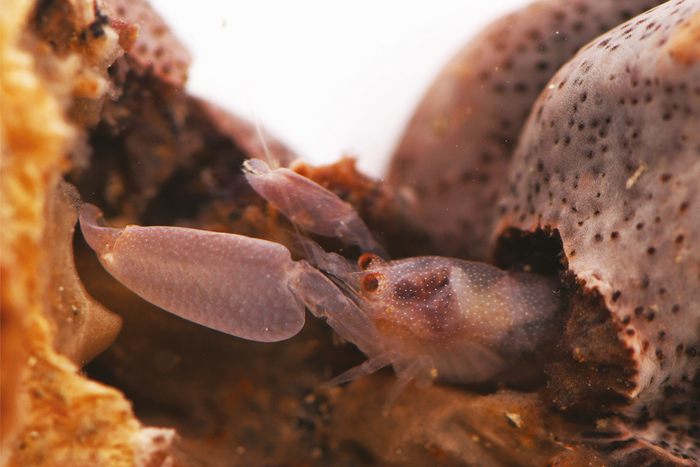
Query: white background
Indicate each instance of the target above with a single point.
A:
(325, 77)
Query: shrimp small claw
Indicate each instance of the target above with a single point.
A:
(309, 205)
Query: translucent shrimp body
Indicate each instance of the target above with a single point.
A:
(466, 322)
(427, 316)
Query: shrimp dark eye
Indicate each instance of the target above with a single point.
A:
(370, 283)
(365, 261)
(369, 260)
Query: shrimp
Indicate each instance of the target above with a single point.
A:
(429, 317)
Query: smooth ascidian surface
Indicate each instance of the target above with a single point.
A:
(84, 327)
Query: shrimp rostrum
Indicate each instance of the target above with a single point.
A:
(430, 317)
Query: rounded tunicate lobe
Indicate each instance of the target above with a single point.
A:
(610, 158)
(455, 153)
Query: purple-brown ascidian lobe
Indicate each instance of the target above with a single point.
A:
(455, 154)
(610, 157)
(156, 49)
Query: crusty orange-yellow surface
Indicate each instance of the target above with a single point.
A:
(51, 414)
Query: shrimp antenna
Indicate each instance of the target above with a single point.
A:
(272, 162)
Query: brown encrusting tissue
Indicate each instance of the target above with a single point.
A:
(560, 145)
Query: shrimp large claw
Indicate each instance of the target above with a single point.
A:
(235, 284)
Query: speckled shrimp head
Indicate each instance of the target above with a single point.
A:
(426, 316)
(463, 321)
